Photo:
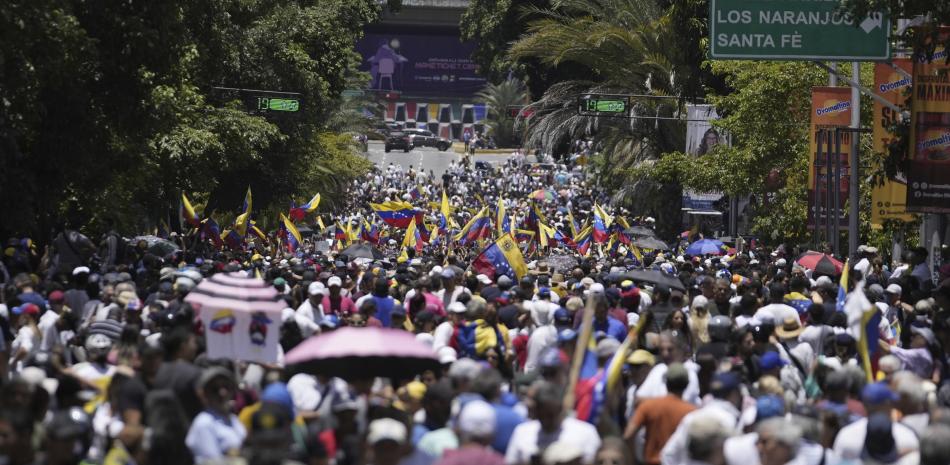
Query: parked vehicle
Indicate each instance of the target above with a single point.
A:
(398, 140)
(424, 138)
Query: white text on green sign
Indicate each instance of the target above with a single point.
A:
(794, 30)
(278, 104)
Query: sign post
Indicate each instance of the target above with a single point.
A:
(794, 30)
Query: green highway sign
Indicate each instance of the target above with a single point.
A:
(278, 104)
(794, 30)
(603, 105)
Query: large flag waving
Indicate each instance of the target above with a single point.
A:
(843, 287)
(187, 212)
(501, 258)
(298, 213)
(293, 235)
(445, 214)
(864, 321)
(477, 228)
(243, 220)
(601, 225)
(502, 222)
(395, 213)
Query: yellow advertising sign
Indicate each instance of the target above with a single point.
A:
(888, 201)
(928, 180)
(830, 108)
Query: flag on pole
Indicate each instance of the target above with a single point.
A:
(243, 220)
(293, 235)
(864, 321)
(602, 223)
(477, 228)
(298, 213)
(501, 258)
(502, 221)
(394, 213)
(843, 287)
(187, 212)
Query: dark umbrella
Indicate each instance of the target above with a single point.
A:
(360, 353)
(157, 245)
(651, 243)
(362, 251)
(820, 263)
(639, 231)
(655, 277)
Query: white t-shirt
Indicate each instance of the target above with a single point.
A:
(528, 440)
(778, 313)
(48, 333)
(850, 440)
(442, 335)
(542, 338)
(27, 340)
(655, 383)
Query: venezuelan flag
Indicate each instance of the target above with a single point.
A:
(257, 232)
(395, 213)
(187, 212)
(864, 320)
(209, 229)
(501, 258)
(575, 226)
(592, 392)
(370, 233)
(524, 235)
(298, 213)
(412, 237)
(243, 220)
(234, 240)
(601, 225)
(415, 193)
(477, 228)
(843, 286)
(584, 240)
(502, 221)
(293, 235)
(445, 214)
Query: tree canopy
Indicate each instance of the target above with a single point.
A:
(109, 109)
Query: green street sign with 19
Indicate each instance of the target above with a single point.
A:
(604, 105)
(794, 30)
(278, 104)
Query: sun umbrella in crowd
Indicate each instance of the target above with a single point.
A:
(241, 316)
(362, 251)
(650, 243)
(639, 231)
(542, 195)
(820, 263)
(360, 353)
(655, 277)
(705, 247)
(157, 245)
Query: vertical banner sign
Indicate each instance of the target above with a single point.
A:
(830, 109)
(929, 178)
(701, 137)
(889, 200)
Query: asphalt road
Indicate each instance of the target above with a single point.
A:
(427, 157)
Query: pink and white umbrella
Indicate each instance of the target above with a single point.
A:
(360, 353)
(241, 316)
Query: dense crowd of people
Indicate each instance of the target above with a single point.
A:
(736, 358)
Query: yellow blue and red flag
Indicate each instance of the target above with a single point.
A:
(243, 220)
(293, 235)
(394, 212)
(601, 225)
(298, 213)
(501, 258)
(187, 212)
(843, 286)
(477, 228)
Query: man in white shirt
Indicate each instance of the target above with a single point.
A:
(877, 398)
(543, 336)
(310, 312)
(444, 332)
(450, 291)
(531, 438)
(671, 350)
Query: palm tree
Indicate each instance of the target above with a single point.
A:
(499, 98)
(625, 47)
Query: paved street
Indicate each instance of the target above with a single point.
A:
(427, 157)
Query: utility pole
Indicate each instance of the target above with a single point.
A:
(854, 200)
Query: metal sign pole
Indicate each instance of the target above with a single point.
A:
(854, 200)
(837, 195)
(816, 206)
(831, 216)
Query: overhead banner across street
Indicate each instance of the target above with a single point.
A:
(794, 30)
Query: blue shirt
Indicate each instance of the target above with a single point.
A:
(612, 327)
(384, 310)
(506, 419)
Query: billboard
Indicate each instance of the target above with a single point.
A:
(928, 179)
(830, 109)
(701, 137)
(419, 64)
(889, 200)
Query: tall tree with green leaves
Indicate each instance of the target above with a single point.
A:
(499, 98)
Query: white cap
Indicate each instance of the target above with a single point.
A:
(477, 419)
(823, 281)
(334, 281)
(484, 279)
(447, 355)
(316, 288)
(435, 271)
(456, 307)
(425, 338)
(80, 270)
(596, 288)
(894, 288)
(780, 262)
(385, 429)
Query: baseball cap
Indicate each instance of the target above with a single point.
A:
(490, 294)
(335, 281)
(316, 288)
(477, 418)
(448, 273)
(484, 279)
(447, 355)
(29, 309)
(566, 335)
(607, 347)
(641, 357)
(562, 317)
(770, 361)
(894, 288)
(56, 297)
(386, 429)
(724, 383)
(769, 406)
(877, 393)
(456, 307)
(926, 333)
(80, 270)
